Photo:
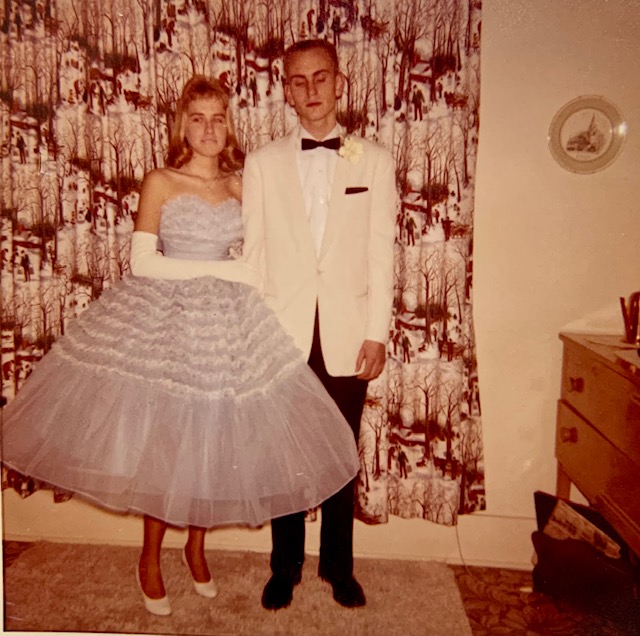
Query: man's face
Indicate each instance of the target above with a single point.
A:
(313, 87)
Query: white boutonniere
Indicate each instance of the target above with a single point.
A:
(351, 149)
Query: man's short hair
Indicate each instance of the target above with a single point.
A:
(308, 45)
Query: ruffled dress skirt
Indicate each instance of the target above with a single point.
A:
(183, 400)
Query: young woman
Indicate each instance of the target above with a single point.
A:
(176, 394)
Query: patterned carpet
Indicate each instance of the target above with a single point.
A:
(499, 601)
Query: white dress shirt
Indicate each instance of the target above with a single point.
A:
(316, 169)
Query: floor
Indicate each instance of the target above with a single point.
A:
(499, 601)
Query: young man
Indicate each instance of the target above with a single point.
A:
(319, 227)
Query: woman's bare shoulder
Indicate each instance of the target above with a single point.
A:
(158, 186)
(233, 184)
(161, 184)
(159, 177)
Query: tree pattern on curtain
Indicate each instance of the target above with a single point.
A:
(87, 96)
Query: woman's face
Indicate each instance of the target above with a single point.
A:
(206, 126)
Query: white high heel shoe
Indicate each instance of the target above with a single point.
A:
(208, 589)
(157, 606)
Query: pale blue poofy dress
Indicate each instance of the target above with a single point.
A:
(184, 400)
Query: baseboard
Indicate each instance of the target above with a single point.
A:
(478, 540)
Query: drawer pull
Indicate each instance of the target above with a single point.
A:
(569, 434)
(576, 384)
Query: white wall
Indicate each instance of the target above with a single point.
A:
(550, 246)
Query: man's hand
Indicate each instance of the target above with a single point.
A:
(373, 356)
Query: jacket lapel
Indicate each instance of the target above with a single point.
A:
(295, 206)
(341, 178)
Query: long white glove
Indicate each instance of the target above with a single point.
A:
(146, 262)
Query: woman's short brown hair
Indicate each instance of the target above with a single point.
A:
(198, 87)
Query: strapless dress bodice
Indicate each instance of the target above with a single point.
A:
(193, 228)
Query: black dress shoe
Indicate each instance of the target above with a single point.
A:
(278, 592)
(348, 592)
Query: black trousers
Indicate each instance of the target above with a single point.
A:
(336, 530)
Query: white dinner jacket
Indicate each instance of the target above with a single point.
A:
(351, 279)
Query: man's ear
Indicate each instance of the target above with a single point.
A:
(341, 82)
(287, 94)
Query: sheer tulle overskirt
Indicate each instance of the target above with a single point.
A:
(185, 401)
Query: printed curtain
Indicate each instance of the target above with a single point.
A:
(88, 90)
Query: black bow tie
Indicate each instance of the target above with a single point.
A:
(310, 144)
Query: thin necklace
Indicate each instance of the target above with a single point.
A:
(210, 182)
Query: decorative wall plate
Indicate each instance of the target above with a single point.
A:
(587, 134)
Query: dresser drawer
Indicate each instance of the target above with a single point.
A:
(603, 397)
(605, 475)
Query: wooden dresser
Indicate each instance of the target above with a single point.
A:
(598, 429)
